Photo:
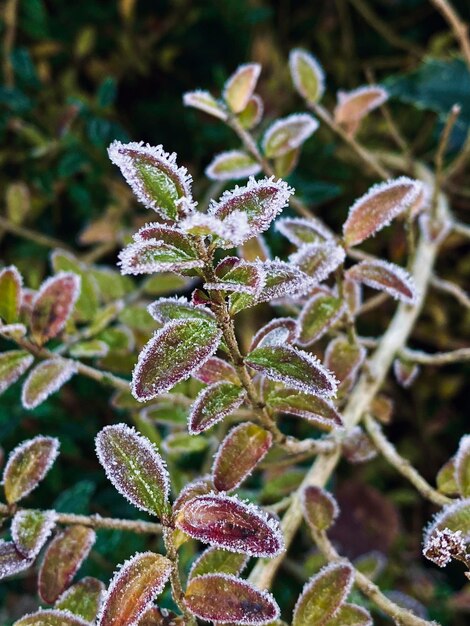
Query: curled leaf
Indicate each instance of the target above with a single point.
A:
(31, 529)
(45, 379)
(134, 467)
(11, 560)
(13, 364)
(223, 598)
(387, 277)
(133, 588)
(82, 599)
(462, 466)
(62, 560)
(318, 411)
(318, 315)
(287, 134)
(53, 305)
(307, 75)
(51, 617)
(213, 404)
(204, 101)
(232, 165)
(11, 283)
(240, 86)
(27, 465)
(227, 522)
(319, 507)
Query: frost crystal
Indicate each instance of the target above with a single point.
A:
(232, 165)
(232, 231)
(288, 134)
(45, 379)
(443, 546)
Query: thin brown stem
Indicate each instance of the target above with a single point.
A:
(175, 578)
(440, 154)
(438, 358)
(451, 288)
(9, 16)
(459, 28)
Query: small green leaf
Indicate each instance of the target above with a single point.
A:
(307, 75)
(319, 508)
(30, 530)
(51, 617)
(462, 466)
(232, 165)
(218, 560)
(213, 404)
(240, 86)
(82, 599)
(13, 364)
(45, 379)
(179, 444)
(286, 134)
(204, 101)
(318, 315)
(10, 294)
(350, 615)
(445, 479)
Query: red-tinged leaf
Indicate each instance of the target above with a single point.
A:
(53, 305)
(244, 277)
(356, 104)
(405, 372)
(287, 134)
(252, 114)
(51, 617)
(134, 587)
(148, 257)
(62, 560)
(301, 231)
(227, 522)
(213, 404)
(278, 331)
(293, 367)
(387, 277)
(358, 447)
(232, 165)
(11, 561)
(382, 408)
(351, 615)
(462, 466)
(446, 481)
(45, 379)
(318, 315)
(31, 529)
(27, 465)
(83, 599)
(216, 560)
(344, 359)
(223, 598)
(169, 235)
(378, 207)
(318, 411)
(11, 283)
(88, 297)
(240, 86)
(134, 467)
(216, 370)
(307, 75)
(319, 508)
(318, 260)
(172, 355)
(323, 595)
(166, 310)
(204, 101)
(13, 364)
(238, 455)
(198, 487)
(154, 177)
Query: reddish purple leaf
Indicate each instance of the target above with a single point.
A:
(31, 529)
(45, 379)
(356, 104)
(51, 617)
(278, 331)
(12, 561)
(240, 86)
(288, 133)
(319, 507)
(344, 359)
(13, 364)
(11, 283)
(53, 305)
(134, 587)
(318, 260)
(318, 315)
(387, 277)
(216, 370)
(223, 598)
(198, 487)
(239, 453)
(213, 404)
(227, 522)
(169, 235)
(62, 560)
(27, 465)
(318, 411)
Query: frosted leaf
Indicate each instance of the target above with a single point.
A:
(405, 372)
(319, 507)
(350, 615)
(172, 355)
(218, 560)
(51, 617)
(87, 303)
(53, 305)
(454, 517)
(307, 75)
(444, 545)
(213, 404)
(134, 467)
(13, 331)
(154, 177)
(216, 370)
(197, 487)
(278, 331)
(148, 257)
(378, 207)
(169, 235)
(13, 364)
(352, 292)
(227, 522)
(83, 599)
(239, 453)
(318, 315)
(445, 479)
(31, 529)
(240, 86)
(45, 379)
(252, 114)
(27, 465)
(228, 233)
(300, 230)
(204, 101)
(166, 310)
(371, 564)
(222, 598)
(344, 359)
(91, 349)
(462, 466)
(357, 446)
(261, 201)
(385, 276)
(232, 165)
(354, 105)
(294, 368)
(133, 588)
(288, 133)
(242, 278)
(285, 164)
(62, 560)
(11, 283)
(11, 561)
(322, 596)
(318, 411)
(318, 260)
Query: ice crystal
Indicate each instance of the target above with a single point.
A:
(231, 231)
(444, 545)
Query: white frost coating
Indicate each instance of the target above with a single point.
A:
(204, 101)
(443, 546)
(61, 371)
(328, 257)
(292, 130)
(12, 330)
(385, 218)
(346, 97)
(250, 71)
(286, 226)
(386, 276)
(250, 168)
(405, 375)
(11, 561)
(15, 373)
(198, 408)
(158, 314)
(233, 230)
(246, 620)
(462, 463)
(149, 455)
(439, 520)
(23, 448)
(149, 226)
(130, 263)
(226, 284)
(126, 163)
(121, 572)
(296, 55)
(48, 524)
(72, 618)
(292, 280)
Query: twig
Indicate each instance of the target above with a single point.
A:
(459, 27)
(9, 16)
(403, 466)
(439, 358)
(451, 288)
(460, 162)
(440, 153)
(461, 229)
(373, 303)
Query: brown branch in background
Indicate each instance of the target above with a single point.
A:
(459, 28)
(9, 19)
(438, 358)
(454, 290)
(440, 154)
(461, 161)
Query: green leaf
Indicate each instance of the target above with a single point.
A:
(45, 379)
(307, 75)
(318, 315)
(350, 615)
(316, 410)
(10, 294)
(453, 517)
(218, 560)
(13, 364)
(462, 466)
(179, 444)
(30, 530)
(240, 86)
(82, 599)
(445, 479)
(319, 508)
(213, 404)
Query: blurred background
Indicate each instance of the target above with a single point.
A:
(77, 75)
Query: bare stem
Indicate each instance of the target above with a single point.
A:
(459, 28)
(175, 579)
(438, 358)
(440, 154)
(451, 288)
